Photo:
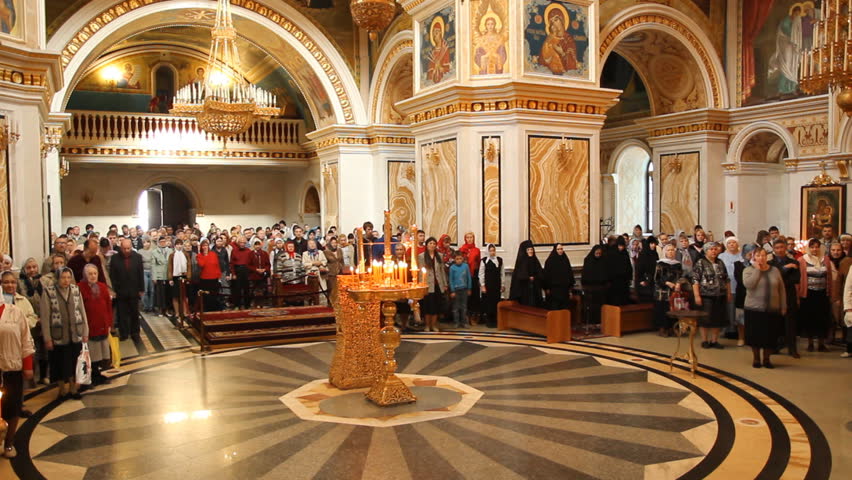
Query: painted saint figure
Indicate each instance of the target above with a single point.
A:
(8, 16)
(128, 78)
(784, 63)
(490, 45)
(559, 52)
(440, 58)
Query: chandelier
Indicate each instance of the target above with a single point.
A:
(225, 103)
(373, 15)
(826, 65)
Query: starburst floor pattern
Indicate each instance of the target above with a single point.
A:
(534, 410)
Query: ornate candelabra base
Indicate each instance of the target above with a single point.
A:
(388, 389)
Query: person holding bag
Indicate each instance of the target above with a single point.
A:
(65, 330)
(16, 365)
(99, 316)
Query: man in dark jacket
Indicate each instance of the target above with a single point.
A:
(789, 269)
(127, 275)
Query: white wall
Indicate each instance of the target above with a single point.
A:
(272, 194)
(630, 190)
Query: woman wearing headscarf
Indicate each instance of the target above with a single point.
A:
(765, 306)
(445, 248)
(316, 269)
(668, 276)
(620, 273)
(334, 257)
(30, 285)
(65, 330)
(473, 257)
(646, 268)
(683, 255)
(594, 281)
(436, 279)
(99, 316)
(729, 257)
(814, 295)
(696, 249)
(558, 279)
(838, 269)
(491, 279)
(210, 271)
(527, 277)
(711, 291)
(740, 291)
(16, 365)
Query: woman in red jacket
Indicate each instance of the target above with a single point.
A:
(211, 272)
(98, 305)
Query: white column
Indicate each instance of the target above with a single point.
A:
(53, 192)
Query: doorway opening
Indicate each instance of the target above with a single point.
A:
(165, 204)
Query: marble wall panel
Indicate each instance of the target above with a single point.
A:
(491, 206)
(439, 189)
(558, 190)
(5, 223)
(679, 189)
(401, 187)
(330, 192)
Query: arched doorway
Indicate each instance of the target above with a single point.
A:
(634, 190)
(311, 210)
(165, 204)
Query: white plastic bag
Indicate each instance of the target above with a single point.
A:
(84, 366)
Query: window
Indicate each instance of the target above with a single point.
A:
(649, 197)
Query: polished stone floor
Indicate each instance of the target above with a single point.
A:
(608, 409)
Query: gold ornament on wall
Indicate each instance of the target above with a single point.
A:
(8, 135)
(565, 149)
(823, 178)
(432, 155)
(676, 163)
(373, 15)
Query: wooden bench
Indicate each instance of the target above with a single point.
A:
(553, 324)
(618, 320)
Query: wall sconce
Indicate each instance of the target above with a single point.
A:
(492, 151)
(326, 172)
(565, 150)
(244, 197)
(87, 197)
(433, 155)
(7, 136)
(843, 166)
(64, 168)
(52, 139)
(677, 163)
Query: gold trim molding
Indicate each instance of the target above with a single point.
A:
(334, 141)
(147, 152)
(109, 15)
(691, 128)
(543, 105)
(690, 37)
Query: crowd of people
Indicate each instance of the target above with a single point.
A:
(765, 293)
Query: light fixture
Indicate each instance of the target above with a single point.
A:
(225, 104)
(565, 150)
(326, 172)
(373, 15)
(676, 163)
(7, 135)
(64, 168)
(825, 67)
(433, 155)
(492, 151)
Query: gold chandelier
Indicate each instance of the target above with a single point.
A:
(225, 103)
(825, 67)
(373, 15)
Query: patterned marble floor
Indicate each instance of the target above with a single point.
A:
(578, 410)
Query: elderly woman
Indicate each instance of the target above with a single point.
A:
(729, 257)
(646, 267)
(316, 268)
(6, 264)
(98, 304)
(65, 329)
(712, 293)
(765, 307)
(30, 285)
(667, 279)
(739, 290)
(814, 294)
(16, 363)
(838, 269)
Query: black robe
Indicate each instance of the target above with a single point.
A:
(619, 274)
(524, 290)
(558, 280)
(646, 266)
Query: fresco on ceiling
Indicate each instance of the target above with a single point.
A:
(556, 38)
(633, 102)
(399, 87)
(490, 42)
(313, 91)
(774, 34)
(438, 48)
(281, 84)
(10, 12)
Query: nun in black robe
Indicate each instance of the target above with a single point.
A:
(527, 277)
(558, 280)
(594, 281)
(620, 273)
(646, 267)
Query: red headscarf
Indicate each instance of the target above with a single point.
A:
(471, 253)
(445, 250)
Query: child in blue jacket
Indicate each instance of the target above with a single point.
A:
(460, 285)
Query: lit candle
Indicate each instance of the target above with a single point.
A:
(423, 278)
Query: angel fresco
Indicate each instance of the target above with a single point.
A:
(490, 38)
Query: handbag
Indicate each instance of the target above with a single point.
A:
(84, 366)
(678, 301)
(115, 351)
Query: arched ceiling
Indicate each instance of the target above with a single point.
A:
(764, 147)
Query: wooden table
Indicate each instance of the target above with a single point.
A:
(686, 320)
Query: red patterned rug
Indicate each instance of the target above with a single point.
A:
(267, 312)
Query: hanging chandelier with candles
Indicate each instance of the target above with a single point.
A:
(225, 103)
(825, 67)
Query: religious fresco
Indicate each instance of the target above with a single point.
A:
(11, 18)
(438, 48)
(399, 87)
(439, 188)
(402, 183)
(330, 196)
(773, 35)
(490, 37)
(558, 190)
(556, 38)
(132, 74)
(679, 187)
(822, 206)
